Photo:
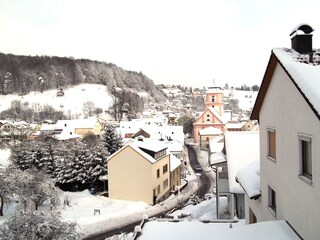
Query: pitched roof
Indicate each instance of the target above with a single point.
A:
(77, 123)
(249, 179)
(214, 90)
(210, 131)
(216, 144)
(174, 162)
(214, 112)
(151, 144)
(304, 75)
(135, 148)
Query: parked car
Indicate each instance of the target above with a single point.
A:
(198, 168)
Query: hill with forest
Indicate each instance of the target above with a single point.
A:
(23, 74)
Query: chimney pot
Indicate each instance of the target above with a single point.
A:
(302, 43)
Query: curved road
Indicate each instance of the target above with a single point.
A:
(205, 180)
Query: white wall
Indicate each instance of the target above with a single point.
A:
(297, 201)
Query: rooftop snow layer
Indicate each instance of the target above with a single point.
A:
(306, 76)
(249, 178)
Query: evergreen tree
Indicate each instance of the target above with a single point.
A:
(22, 155)
(97, 165)
(113, 142)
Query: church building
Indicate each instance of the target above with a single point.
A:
(212, 115)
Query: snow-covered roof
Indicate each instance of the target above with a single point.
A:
(77, 123)
(190, 230)
(135, 147)
(214, 90)
(217, 158)
(249, 179)
(47, 127)
(174, 162)
(242, 148)
(174, 146)
(155, 130)
(304, 74)
(210, 131)
(234, 125)
(216, 114)
(66, 135)
(152, 145)
(216, 144)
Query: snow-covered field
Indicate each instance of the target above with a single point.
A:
(71, 102)
(74, 97)
(246, 98)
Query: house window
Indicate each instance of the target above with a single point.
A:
(271, 143)
(305, 156)
(158, 188)
(165, 183)
(213, 99)
(272, 201)
(165, 168)
(158, 173)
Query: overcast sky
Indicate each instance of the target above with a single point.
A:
(187, 42)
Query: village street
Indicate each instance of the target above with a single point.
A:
(127, 223)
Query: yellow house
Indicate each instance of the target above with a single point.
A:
(139, 173)
(84, 126)
(175, 173)
(78, 127)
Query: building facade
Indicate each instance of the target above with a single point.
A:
(288, 108)
(212, 115)
(137, 174)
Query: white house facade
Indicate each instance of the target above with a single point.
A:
(287, 108)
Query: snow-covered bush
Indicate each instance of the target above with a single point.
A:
(38, 225)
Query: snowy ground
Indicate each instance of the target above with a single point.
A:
(71, 102)
(117, 213)
(4, 155)
(113, 213)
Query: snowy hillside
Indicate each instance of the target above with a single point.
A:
(246, 98)
(71, 102)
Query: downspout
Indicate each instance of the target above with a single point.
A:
(217, 192)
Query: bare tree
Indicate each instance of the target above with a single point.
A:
(88, 109)
(31, 185)
(38, 225)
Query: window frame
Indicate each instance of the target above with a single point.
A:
(303, 171)
(270, 155)
(272, 200)
(165, 169)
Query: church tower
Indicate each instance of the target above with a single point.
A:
(214, 99)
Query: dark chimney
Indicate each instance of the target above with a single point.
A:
(302, 43)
